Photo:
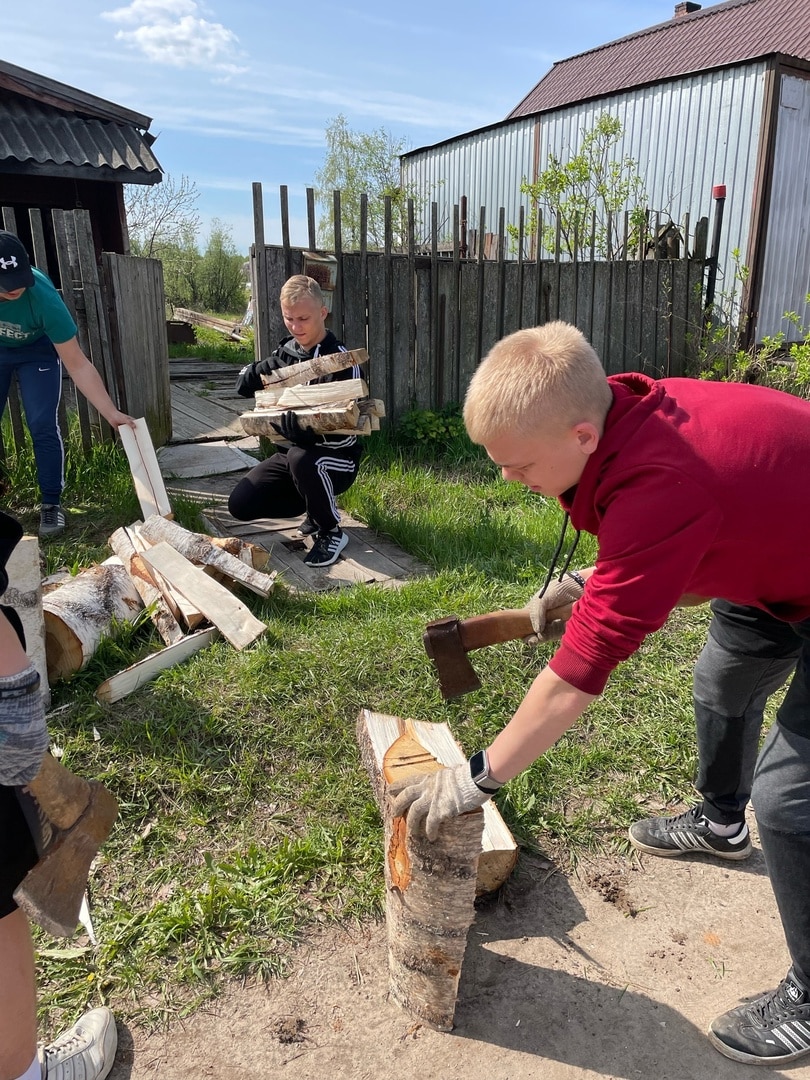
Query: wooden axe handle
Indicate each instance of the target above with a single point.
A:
(63, 796)
(496, 626)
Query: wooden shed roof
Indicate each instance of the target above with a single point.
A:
(48, 128)
(713, 37)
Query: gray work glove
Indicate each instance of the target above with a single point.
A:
(558, 594)
(23, 733)
(436, 797)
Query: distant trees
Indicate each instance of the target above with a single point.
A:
(164, 224)
(360, 162)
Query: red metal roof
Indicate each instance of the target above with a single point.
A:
(713, 37)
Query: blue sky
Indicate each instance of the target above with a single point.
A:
(242, 91)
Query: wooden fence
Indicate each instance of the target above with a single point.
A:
(119, 309)
(427, 317)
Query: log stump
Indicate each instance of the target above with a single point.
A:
(430, 888)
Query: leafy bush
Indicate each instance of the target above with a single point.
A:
(426, 427)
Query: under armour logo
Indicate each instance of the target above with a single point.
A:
(10, 262)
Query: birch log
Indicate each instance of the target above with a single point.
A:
(429, 897)
(165, 622)
(80, 613)
(200, 549)
(375, 734)
(322, 419)
(295, 374)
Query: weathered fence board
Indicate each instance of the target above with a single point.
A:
(427, 315)
(139, 352)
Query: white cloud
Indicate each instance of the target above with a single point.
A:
(173, 32)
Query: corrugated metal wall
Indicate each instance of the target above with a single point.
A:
(486, 166)
(685, 136)
(786, 267)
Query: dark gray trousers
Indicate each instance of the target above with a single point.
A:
(749, 655)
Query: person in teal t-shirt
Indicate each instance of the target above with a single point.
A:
(37, 336)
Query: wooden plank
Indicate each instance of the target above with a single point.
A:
(194, 417)
(379, 373)
(146, 474)
(182, 608)
(354, 302)
(160, 613)
(70, 276)
(218, 604)
(99, 351)
(24, 594)
(203, 459)
(426, 365)
(199, 549)
(137, 675)
(402, 389)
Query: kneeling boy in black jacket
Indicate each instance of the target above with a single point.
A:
(309, 469)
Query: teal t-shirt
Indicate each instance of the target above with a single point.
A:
(40, 310)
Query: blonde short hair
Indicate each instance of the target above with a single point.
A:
(301, 287)
(544, 377)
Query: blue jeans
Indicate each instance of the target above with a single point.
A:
(39, 374)
(748, 655)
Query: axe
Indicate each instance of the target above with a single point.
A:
(80, 814)
(447, 642)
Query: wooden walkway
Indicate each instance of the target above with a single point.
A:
(206, 458)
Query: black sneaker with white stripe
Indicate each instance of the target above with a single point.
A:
(772, 1029)
(327, 547)
(307, 527)
(688, 832)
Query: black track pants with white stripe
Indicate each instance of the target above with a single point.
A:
(286, 485)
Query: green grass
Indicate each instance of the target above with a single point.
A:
(211, 345)
(246, 816)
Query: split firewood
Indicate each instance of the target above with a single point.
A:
(324, 420)
(307, 370)
(251, 554)
(146, 474)
(80, 612)
(136, 675)
(182, 608)
(316, 394)
(24, 594)
(167, 625)
(371, 407)
(199, 549)
(429, 897)
(218, 604)
(376, 732)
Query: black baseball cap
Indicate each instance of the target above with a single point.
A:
(15, 266)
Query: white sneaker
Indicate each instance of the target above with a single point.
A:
(85, 1052)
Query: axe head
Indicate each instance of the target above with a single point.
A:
(445, 648)
(51, 892)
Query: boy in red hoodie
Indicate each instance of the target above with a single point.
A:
(693, 490)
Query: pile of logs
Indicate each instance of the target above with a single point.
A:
(336, 408)
(183, 579)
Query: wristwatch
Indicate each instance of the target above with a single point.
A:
(479, 771)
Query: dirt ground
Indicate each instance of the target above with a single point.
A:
(613, 972)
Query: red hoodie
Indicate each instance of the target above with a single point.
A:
(695, 487)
